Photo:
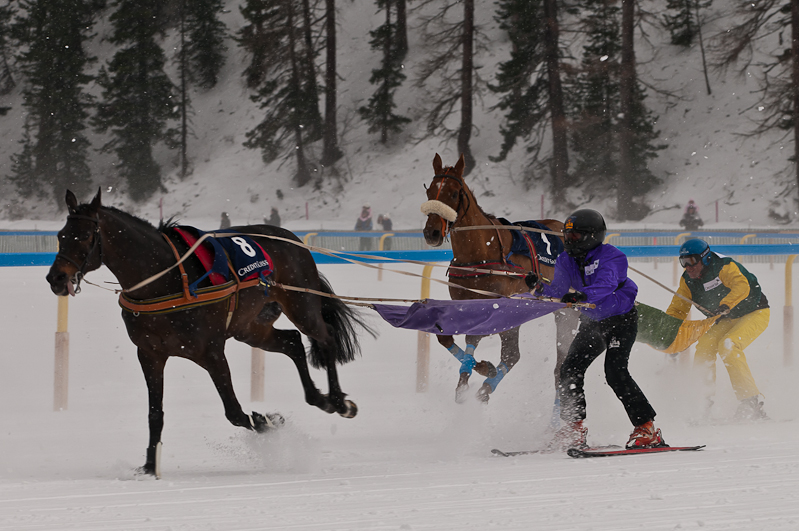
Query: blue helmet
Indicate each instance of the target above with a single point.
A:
(694, 248)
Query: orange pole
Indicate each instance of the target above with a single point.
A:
(61, 369)
(257, 371)
(380, 247)
(423, 340)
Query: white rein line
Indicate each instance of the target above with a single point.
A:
(328, 252)
(508, 227)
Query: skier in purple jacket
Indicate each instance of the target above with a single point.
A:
(598, 274)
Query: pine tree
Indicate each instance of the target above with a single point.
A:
(261, 37)
(205, 40)
(595, 103)
(448, 75)
(682, 23)
(378, 113)
(54, 63)
(138, 97)
(7, 82)
(23, 172)
(595, 95)
(286, 93)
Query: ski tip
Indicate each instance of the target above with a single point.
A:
(500, 453)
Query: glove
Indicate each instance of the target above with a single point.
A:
(577, 296)
(723, 309)
(531, 279)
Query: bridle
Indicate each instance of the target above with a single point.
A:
(80, 273)
(446, 225)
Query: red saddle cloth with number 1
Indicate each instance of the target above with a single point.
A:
(247, 258)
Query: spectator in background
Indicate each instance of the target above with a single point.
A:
(225, 222)
(273, 219)
(364, 223)
(385, 221)
(690, 219)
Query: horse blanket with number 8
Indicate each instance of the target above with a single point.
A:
(247, 257)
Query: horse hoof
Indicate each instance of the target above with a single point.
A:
(462, 388)
(350, 409)
(269, 421)
(483, 393)
(485, 368)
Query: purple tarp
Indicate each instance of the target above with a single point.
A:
(473, 316)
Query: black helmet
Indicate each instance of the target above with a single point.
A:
(584, 230)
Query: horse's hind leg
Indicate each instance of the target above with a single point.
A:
(152, 365)
(509, 357)
(289, 342)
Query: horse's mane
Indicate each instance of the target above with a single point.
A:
(139, 221)
(165, 225)
(447, 171)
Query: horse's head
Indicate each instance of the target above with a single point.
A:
(78, 246)
(446, 196)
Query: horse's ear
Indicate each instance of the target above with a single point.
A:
(459, 166)
(438, 166)
(72, 202)
(97, 199)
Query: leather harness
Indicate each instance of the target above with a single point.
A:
(184, 301)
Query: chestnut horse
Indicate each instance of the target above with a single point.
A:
(451, 204)
(134, 250)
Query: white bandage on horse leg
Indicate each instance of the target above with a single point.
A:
(437, 207)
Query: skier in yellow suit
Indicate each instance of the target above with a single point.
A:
(724, 287)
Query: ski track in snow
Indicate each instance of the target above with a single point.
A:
(408, 461)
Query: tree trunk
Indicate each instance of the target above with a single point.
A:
(303, 176)
(795, 87)
(560, 146)
(626, 94)
(310, 71)
(184, 103)
(330, 150)
(401, 39)
(386, 65)
(465, 131)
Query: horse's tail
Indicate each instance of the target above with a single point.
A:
(342, 321)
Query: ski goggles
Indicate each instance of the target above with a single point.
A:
(574, 236)
(690, 260)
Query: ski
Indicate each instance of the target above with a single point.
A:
(502, 453)
(605, 452)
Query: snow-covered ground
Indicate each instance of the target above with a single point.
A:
(408, 461)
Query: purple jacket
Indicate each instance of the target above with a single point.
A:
(605, 281)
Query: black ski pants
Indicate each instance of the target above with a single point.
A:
(616, 335)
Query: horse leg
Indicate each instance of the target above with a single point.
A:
(466, 357)
(567, 320)
(289, 342)
(509, 357)
(152, 366)
(215, 362)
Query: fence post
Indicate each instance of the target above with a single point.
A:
(61, 371)
(257, 370)
(423, 341)
(380, 247)
(787, 314)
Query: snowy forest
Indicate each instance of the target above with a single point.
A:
(99, 91)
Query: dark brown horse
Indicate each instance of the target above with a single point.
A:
(134, 251)
(451, 205)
